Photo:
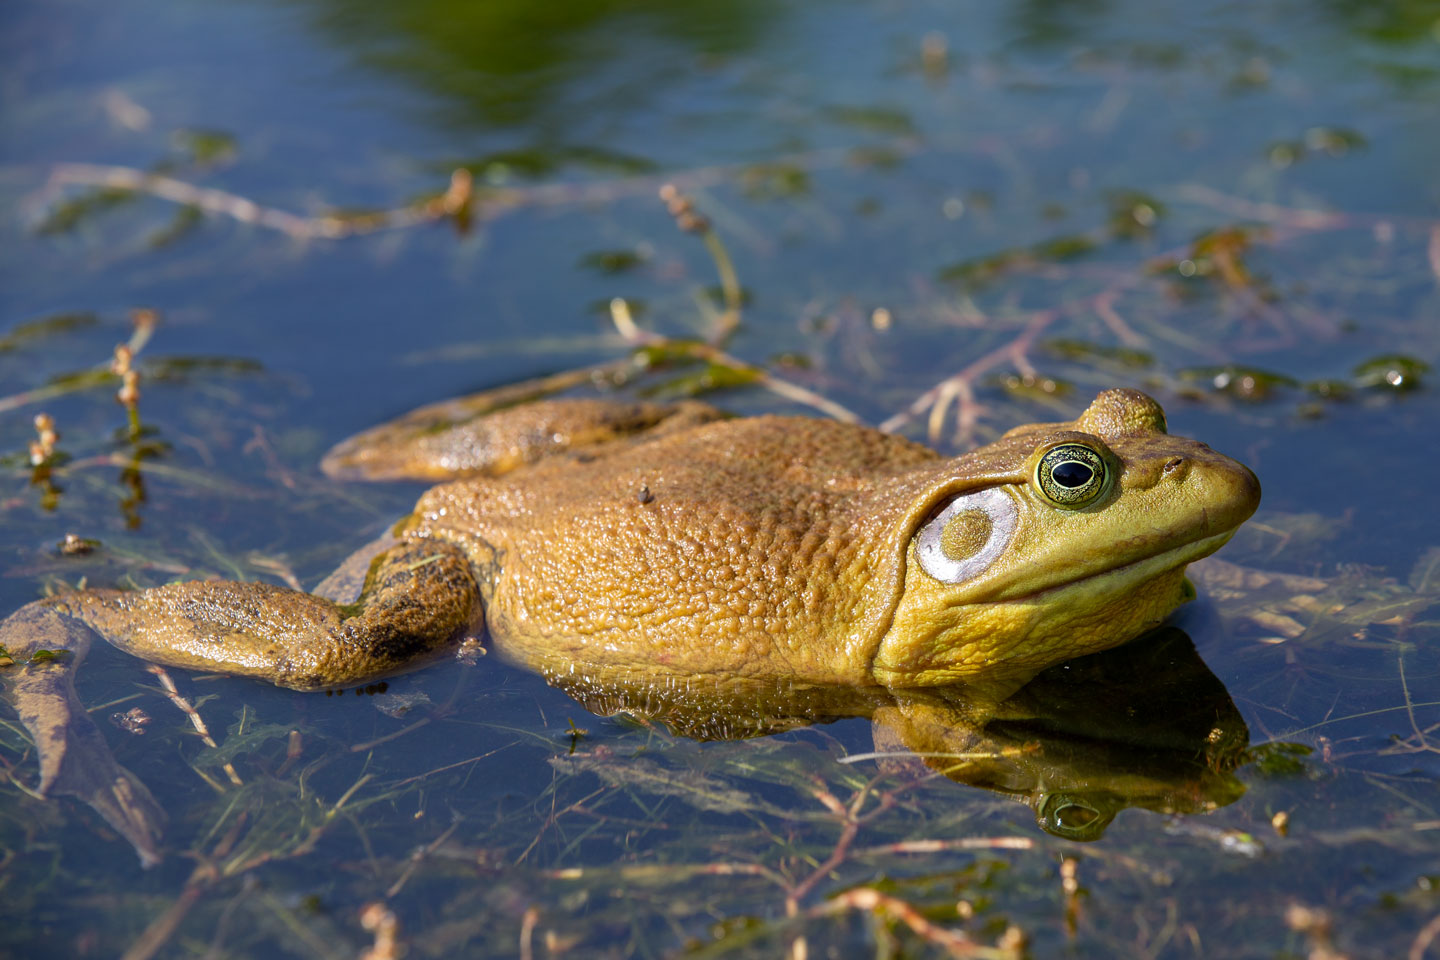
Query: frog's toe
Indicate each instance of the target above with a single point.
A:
(86, 770)
(74, 758)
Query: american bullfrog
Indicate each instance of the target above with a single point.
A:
(668, 542)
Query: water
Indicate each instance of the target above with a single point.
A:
(1125, 193)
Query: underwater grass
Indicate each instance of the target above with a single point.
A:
(489, 816)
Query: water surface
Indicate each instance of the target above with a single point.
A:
(1232, 206)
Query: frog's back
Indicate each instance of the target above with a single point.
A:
(714, 549)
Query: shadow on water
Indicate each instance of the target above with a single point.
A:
(1144, 725)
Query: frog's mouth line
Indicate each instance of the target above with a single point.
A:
(1136, 571)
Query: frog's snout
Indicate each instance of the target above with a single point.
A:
(1229, 490)
(1250, 489)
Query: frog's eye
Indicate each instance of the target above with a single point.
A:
(1072, 475)
(1073, 817)
(966, 537)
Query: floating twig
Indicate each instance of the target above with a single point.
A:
(953, 942)
(1424, 938)
(1070, 886)
(1105, 308)
(527, 933)
(456, 202)
(196, 721)
(959, 386)
(940, 846)
(633, 334)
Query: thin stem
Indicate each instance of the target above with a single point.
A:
(729, 286)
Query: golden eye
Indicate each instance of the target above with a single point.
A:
(1072, 475)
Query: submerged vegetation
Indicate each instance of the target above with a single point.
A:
(944, 285)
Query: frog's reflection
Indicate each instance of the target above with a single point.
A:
(1143, 725)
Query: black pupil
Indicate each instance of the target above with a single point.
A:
(1072, 474)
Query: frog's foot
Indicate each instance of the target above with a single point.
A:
(491, 433)
(419, 599)
(74, 760)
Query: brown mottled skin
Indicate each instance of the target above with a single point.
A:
(670, 542)
(778, 546)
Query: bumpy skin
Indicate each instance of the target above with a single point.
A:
(781, 547)
(761, 547)
(597, 538)
(496, 432)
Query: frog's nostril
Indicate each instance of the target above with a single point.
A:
(1174, 464)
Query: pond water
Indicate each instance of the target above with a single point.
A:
(944, 218)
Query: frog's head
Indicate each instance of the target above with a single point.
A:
(1056, 541)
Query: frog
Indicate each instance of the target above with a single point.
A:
(665, 542)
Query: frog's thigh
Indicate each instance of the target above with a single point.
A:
(346, 583)
(466, 437)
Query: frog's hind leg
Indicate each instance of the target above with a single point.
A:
(418, 600)
(491, 433)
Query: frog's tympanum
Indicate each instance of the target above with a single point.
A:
(656, 544)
